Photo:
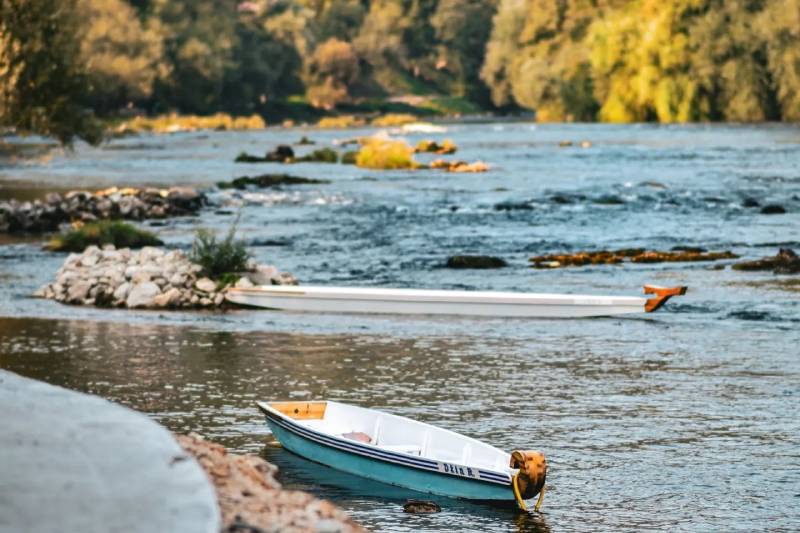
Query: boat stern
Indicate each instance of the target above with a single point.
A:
(661, 295)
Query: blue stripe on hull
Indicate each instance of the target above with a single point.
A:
(387, 472)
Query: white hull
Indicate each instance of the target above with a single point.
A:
(435, 302)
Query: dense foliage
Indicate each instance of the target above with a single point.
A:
(610, 60)
(665, 60)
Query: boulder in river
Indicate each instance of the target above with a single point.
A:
(268, 180)
(475, 261)
(773, 209)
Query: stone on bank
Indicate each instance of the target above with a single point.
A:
(148, 278)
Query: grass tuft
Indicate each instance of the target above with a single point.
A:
(219, 258)
(120, 234)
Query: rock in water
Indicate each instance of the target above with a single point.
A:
(475, 261)
(785, 262)
(421, 506)
(142, 295)
(281, 154)
(773, 209)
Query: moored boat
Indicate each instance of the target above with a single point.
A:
(405, 453)
(445, 302)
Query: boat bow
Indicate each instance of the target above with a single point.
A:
(530, 479)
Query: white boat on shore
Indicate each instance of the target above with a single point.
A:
(406, 453)
(443, 302)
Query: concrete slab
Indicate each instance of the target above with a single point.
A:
(75, 462)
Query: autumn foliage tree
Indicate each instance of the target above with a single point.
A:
(42, 76)
(331, 71)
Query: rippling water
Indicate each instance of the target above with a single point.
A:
(685, 419)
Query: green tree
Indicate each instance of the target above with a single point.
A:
(42, 77)
(332, 69)
(124, 56)
(462, 32)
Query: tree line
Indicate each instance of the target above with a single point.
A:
(65, 62)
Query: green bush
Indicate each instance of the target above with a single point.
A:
(386, 154)
(349, 158)
(323, 155)
(120, 234)
(218, 258)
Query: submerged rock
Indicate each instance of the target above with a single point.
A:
(750, 202)
(634, 255)
(513, 206)
(475, 261)
(268, 180)
(785, 262)
(421, 506)
(773, 209)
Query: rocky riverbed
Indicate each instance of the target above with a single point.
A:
(251, 499)
(114, 203)
(148, 278)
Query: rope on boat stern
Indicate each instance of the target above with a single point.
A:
(530, 479)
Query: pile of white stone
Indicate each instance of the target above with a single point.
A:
(147, 278)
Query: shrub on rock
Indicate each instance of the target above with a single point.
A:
(219, 257)
(386, 155)
(323, 155)
(120, 234)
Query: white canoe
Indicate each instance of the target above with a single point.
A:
(405, 453)
(441, 302)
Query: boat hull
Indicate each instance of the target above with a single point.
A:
(420, 302)
(362, 462)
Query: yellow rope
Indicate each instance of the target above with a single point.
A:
(517, 495)
(540, 500)
(519, 499)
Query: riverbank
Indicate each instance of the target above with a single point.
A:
(75, 462)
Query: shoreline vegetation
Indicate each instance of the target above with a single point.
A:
(346, 61)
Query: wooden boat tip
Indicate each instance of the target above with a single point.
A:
(662, 295)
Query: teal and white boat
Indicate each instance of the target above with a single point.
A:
(406, 453)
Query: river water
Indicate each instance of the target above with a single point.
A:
(684, 419)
